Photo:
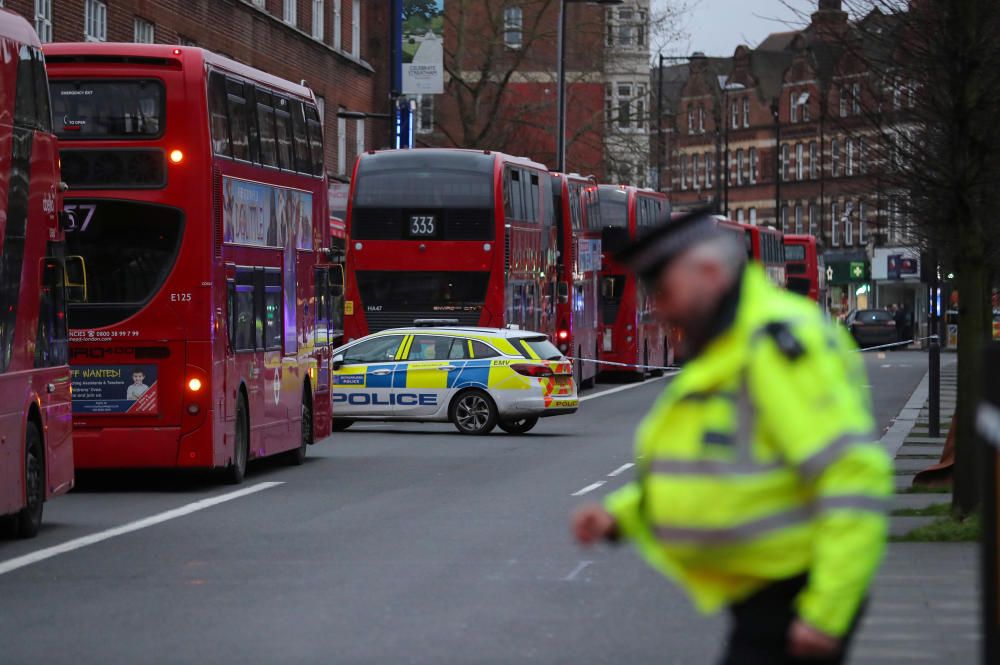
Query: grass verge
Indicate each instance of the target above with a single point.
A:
(944, 529)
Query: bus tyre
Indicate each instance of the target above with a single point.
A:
(28, 521)
(340, 424)
(519, 426)
(297, 457)
(237, 468)
(473, 412)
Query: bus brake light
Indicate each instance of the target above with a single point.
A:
(194, 385)
(176, 156)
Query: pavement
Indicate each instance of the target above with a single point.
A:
(411, 544)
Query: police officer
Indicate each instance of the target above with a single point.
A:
(761, 485)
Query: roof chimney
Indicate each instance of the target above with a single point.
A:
(829, 22)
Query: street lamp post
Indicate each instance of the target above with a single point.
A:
(775, 108)
(561, 77)
(727, 119)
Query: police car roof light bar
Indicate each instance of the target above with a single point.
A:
(434, 323)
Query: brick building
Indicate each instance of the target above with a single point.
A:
(501, 64)
(782, 134)
(339, 47)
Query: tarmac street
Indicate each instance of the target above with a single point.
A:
(393, 544)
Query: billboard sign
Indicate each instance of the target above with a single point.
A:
(261, 215)
(115, 389)
(422, 49)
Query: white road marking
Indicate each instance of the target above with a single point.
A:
(589, 488)
(576, 571)
(146, 522)
(883, 366)
(621, 469)
(628, 386)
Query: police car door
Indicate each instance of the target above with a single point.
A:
(362, 385)
(428, 371)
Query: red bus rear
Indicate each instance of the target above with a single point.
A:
(577, 209)
(631, 336)
(36, 450)
(802, 265)
(460, 235)
(197, 256)
(764, 244)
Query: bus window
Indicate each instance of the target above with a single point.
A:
(315, 140)
(283, 128)
(303, 160)
(218, 114)
(265, 123)
(51, 347)
(533, 199)
(273, 312)
(122, 108)
(238, 128)
(244, 320)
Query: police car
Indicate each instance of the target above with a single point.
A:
(476, 378)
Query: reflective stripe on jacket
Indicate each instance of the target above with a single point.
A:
(757, 464)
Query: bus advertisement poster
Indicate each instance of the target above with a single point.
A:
(115, 389)
(261, 215)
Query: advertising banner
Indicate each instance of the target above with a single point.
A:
(423, 47)
(589, 254)
(118, 389)
(262, 215)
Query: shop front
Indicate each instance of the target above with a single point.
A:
(848, 284)
(896, 278)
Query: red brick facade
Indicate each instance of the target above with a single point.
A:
(255, 33)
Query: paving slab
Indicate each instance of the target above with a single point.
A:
(920, 449)
(900, 526)
(900, 501)
(911, 466)
(930, 440)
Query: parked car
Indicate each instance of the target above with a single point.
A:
(872, 327)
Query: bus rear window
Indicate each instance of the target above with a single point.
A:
(112, 109)
(614, 208)
(541, 346)
(795, 253)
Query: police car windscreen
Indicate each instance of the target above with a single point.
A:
(107, 109)
(424, 195)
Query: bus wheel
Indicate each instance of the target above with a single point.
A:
(29, 519)
(473, 412)
(519, 426)
(340, 424)
(237, 468)
(297, 457)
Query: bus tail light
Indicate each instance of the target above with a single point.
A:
(194, 384)
(537, 371)
(563, 335)
(176, 156)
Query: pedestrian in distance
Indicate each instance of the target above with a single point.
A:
(760, 483)
(899, 318)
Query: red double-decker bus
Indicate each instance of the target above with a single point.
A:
(764, 244)
(459, 235)
(577, 209)
(200, 299)
(631, 340)
(36, 450)
(802, 265)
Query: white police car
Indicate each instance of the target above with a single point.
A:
(476, 378)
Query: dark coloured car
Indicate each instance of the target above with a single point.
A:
(872, 327)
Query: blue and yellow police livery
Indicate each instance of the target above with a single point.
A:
(476, 378)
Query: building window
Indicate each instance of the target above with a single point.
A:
(911, 93)
(425, 114)
(834, 158)
(793, 106)
(739, 215)
(624, 106)
(804, 107)
(95, 21)
(356, 28)
(709, 169)
(143, 32)
(260, 3)
(629, 31)
(695, 172)
(834, 225)
(753, 216)
(844, 98)
(862, 222)
(862, 167)
(684, 169)
(43, 19)
(739, 166)
(734, 114)
(513, 27)
(783, 224)
(848, 225)
(897, 94)
(753, 166)
(746, 111)
(359, 138)
(813, 218)
(690, 120)
(341, 144)
(784, 161)
(701, 119)
(317, 19)
(338, 25)
(856, 99)
(639, 107)
(799, 161)
(813, 160)
(849, 149)
(289, 11)
(798, 219)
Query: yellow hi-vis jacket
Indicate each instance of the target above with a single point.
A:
(760, 462)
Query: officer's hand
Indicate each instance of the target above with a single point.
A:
(592, 523)
(804, 641)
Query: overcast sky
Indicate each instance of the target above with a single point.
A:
(717, 27)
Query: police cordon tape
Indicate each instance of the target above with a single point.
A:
(678, 367)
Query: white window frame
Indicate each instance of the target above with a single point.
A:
(752, 217)
(260, 3)
(513, 27)
(43, 19)
(290, 12)
(849, 157)
(338, 25)
(844, 99)
(862, 167)
(783, 220)
(341, 144)
(359, 137)
(683, 169)
(813, 218)
(746, 111)
(626, 28)
(95, 21)
(856, 99)
(422, 127)
(739, 166)
(793, 106)
(862, 221)
(799, 161)
(734, 114)
(834, 224)
(740, 215)
(709, 170)
(695, 172)
(798, 218)
(143, 31)
(356, 28)
(785, 157)
(848, 225)
(318, 19)
(834, 158)
(753, 166)
(813, 160)
(701, 119)
(690, 120)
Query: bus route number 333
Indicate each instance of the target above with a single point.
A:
(423, 225)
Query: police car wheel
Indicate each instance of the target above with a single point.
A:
(340, 424)
(519, 426)
(473, 412)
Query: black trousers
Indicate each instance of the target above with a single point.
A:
(760, 624)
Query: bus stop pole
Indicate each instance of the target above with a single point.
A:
(988, 426)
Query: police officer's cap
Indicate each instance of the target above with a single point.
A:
(648, 255)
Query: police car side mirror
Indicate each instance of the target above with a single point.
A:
(338, 361)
